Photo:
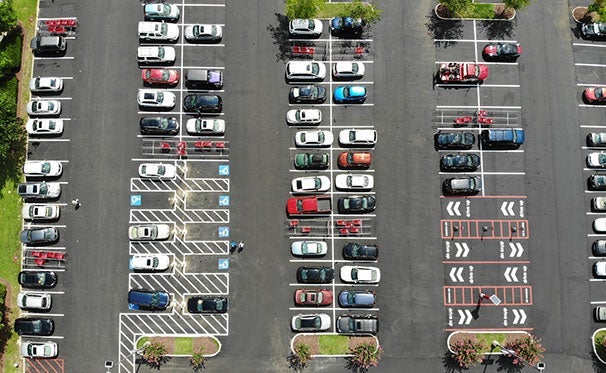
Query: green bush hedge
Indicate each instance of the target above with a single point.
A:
(10, 52)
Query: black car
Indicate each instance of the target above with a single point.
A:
(346, 26)
(460, 162)
(203, 103)
(599, 247)
(159, 126)
(593, 30)
(311, 161)
(311, 94)
(501, 51)
(356, 204)
(455, 140)
(315, 275)
(37, 279)
(40, 236)
(207, 305)
(468, 185)
(353, 324)
(34, 326)
(597, 182)
(356, 251)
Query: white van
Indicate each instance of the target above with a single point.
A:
(158, 31)
(151, 55)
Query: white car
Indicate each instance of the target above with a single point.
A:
(596, 160)
(161, 12)
(310, 184)
(360, 275)
(42, 168)
(155, 98)
(310, 323)
(198, 33)
(358, 137)
(34, 301)
(32, 211)
(313, 138)
(598, 203)
(305, 27)
(154, 55)
(304, 116)
(46, 84)
(158, 31)
(599, 269)
(599, 225)
(309, 248)
(305, 70)
(159, 171)
(149, 232)
(39, 350)
(348, 69)
(200, 126)
(43, 108)
(44, 126)
(354, 181)
(149, 262)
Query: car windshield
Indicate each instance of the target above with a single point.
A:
(315, 68)
(164, 28)
(43, 188)
(154, 300)
(311, 24)
(304, 274)
(163, 9)
(48, 234)
(602, 27)
(321, 137)
(161, 169)
(317, 182)
(602, 158)
(163, 123)
(600, 92)
(36, 326)
(161, 52)
(52, 124)
(352, 135)
(322, 275)
(507, 49)
(45, 168)
(160, 97)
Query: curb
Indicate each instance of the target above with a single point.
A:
(435, 10)
(576, 20)
(292, 341)
(185, 336)
(483, 332)
(595, 352)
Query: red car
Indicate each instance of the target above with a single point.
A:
(160, 76)
(355, 160)
(459, 72)
(595, 95)
(309, 297)
(502, 51)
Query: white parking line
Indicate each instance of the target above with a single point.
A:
(483, 173)
(178, 113)
(483, 151)
(334, 82)
(201, 5)
(336, 105)
(53, 58)
(587, 84)
(201, 67)
(593, 106)
(34, 139)
(30, 314)
(597, 279)
(592, 126)
(589, 45)
(332, 40)
(40, 224)
(189, 45)
(594, 191)
(594, 213)
(42, 336)
(475, 107)
(223, 160)
(473, 40)
(590, 64)
(37, 98)
(334, 284)
(598, 302)
(596, 235)
(470, 85)
(591, 169)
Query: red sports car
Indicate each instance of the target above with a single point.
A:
(502, 51)
(309, 297)
(160, 76)
(355, 159)
(595, 95)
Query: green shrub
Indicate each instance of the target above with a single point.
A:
(302, 8)
(2, 305)
(10, 53)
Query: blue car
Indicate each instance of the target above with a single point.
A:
(148, 299)
(347, 25)
(350, 94)
(357, 298)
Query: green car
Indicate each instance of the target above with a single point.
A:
(311, 161)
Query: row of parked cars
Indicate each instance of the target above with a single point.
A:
(309, 200)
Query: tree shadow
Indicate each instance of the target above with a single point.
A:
(280, 35)
(444, 29)
(497, 29)
(598, 366)
(450, 364)
(153, 365)
(294, 362)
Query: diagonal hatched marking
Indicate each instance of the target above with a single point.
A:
(180, 215)
(180, 247)
(180, 184)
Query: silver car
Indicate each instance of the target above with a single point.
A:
(198, 33)
(149, 232)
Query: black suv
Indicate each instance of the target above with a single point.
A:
(202, 103)
(34, 326)
(356, 251)
(48, 45)
(37, 279)
(159, 126)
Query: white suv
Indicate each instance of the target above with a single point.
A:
(153, 55)
(158, 31)
(305, 70)
(305, 27)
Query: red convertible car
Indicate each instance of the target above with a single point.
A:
(460, 72)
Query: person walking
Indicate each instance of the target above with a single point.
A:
(232, 247)
(240, 246)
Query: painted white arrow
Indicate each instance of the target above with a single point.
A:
(510, 274)
(453, 208)
(504, 208)
(510, 208)
(465, 317)
(519, 316)
(456, 274)
(516, 249)
(462, 249)
(507, 208)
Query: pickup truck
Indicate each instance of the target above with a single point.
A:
(505, 138)
(459, 72)
(309, 205)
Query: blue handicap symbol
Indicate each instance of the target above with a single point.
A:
(223, 263)
(224, 169)
(223, 200)
(135, 200)
(223, 232)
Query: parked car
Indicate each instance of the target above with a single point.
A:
(461, 72)
(309, 248)
(313, 297)
(357, 298)
(157, 171)
(160, 76)
(360, 275)
(202, 33)
(594, 95)
(502, 138)
(42, 190)
(45, 84)
(597, 182)
(161, 54)
(207, 305)
(39, 350)
(596, 139)
(357, 251)
(148, 299)
(305, 27)
(41, 127)
(348, 70)
(203, 103)
(355, 160)
(159, 126)
(48, 45)
(158, 31)
(596, 160)
(598, 247)
(43, 108)
(310, 323)
(599, 313)
(200, 126)
(149, 262)
(161, 12)
(466, 185)
(311, 161)
(350, 94)
(305, 70)
(154, 98)
(356, 204)
(34, 326)
(204, 78)
(460, 162)
(347, 25)
(309, 94)
(33, 211)
(40, 236)
(599, 225)
(358, 137)
(354, 181)
(315, 275)
(454, 140)
(304, 116)
(310, 184)
(502, 51)
(353, 324)
(593, 30)
(37, 279)
(313, 138)
(42, 168)
(599, 269)
(598, 203)
(149, 232)
(34, 301)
